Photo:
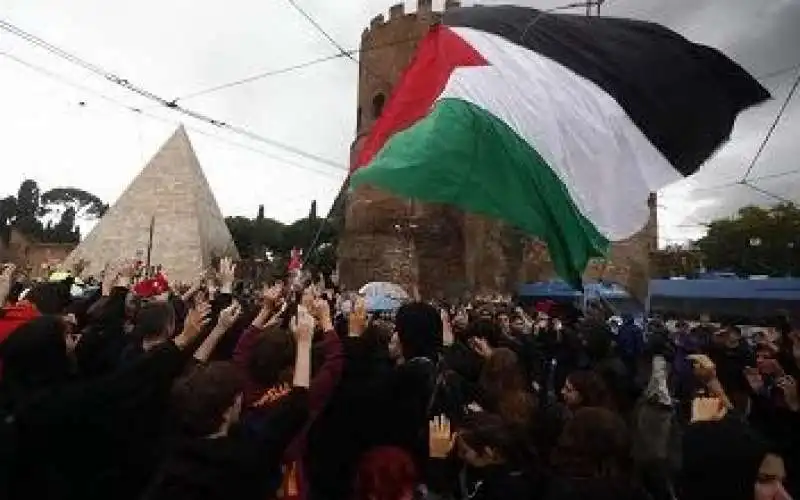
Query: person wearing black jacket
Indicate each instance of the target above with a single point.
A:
(59, 438)
(485, 460)
(213, 458)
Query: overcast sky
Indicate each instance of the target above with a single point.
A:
(176, 47)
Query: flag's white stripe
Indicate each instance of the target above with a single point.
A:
(605, 161)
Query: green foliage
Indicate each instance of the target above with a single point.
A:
(755, 241)
(261, 237)
(84, 204)
(676, 260)
(27, 211)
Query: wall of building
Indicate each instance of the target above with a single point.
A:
(32, 257)
(437, 249)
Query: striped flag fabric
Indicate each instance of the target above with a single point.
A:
(560, 125)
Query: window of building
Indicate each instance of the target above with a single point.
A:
(377, 105)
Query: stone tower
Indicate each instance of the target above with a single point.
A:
(172, 192)
(440, 250)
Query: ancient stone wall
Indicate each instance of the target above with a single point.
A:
(438, 249)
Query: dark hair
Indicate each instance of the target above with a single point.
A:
(594, 443)
(592, 388)
(419, 329)
(385, 473)
(153, 319)
(200, 398)
(487, 430)
(273, 357)
(503, 383)
(50, 297)
(484, 328)
(34, 358)
(598, 340)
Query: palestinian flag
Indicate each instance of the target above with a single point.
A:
(560, 125)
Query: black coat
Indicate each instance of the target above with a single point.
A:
(72, 442)
(240, 465)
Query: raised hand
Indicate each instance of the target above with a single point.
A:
(708, 409)
(703, 368)
(754, 378)
(321, 311)
(302, 326)
(196, 319)
(229, 315)
(441, 439)
(357, 319)
(111, 276)
(788, 385)
(272, 294)
(480, 346)
(276, 318)
(447, 328)
(227, 274)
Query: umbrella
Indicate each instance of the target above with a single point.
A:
(383, 289)
(382, 303)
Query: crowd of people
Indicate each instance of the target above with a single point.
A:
(138, 391)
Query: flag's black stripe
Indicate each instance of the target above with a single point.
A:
(683, 96)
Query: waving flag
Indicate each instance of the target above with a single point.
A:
(295, 260)
(560, 125)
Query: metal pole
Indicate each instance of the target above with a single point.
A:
(150, 246)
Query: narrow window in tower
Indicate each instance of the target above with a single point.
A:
(377, 105)
(358, 119)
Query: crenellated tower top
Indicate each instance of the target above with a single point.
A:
(397, 12)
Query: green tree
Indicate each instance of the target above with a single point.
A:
(755, 241)
(676, 260)
(84, 205)
(259, 237)
(65, 230)
(29, 209)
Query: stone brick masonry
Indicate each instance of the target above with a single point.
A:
(438, 249)
(189, 231)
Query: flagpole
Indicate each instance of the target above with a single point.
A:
(150, 245)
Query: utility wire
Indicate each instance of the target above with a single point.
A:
(751, 179)
(133, 109)
(341, 50)
(170, 104)
(293, 68)
(772, 128)
(352, 52)
(321, 30)
(767, 193)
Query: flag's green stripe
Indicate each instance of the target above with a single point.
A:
(461, 155)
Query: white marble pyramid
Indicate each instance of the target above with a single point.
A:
(188, 228)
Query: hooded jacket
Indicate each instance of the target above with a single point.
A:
(13, 316)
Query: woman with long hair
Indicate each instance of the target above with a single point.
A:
(502, 389)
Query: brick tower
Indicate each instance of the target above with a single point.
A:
(437, 248)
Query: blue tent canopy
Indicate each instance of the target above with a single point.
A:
(787, 289)
(560, 290)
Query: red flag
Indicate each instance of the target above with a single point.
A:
(296, 261)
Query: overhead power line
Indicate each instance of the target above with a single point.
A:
(772, 127)
(136, 110)
(321, 30)
(170, 104)
(767, 193)
(341, 50)
(353, 52)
